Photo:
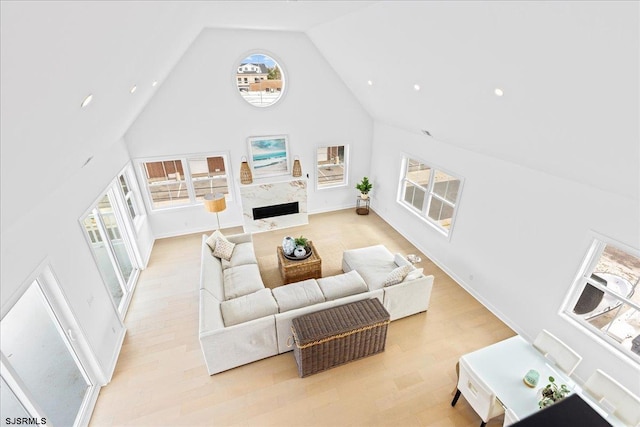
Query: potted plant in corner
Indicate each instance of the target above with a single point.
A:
(364, 186)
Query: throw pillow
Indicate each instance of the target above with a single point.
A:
(211, 240)
(397, 275)
(223, 249)
(413, 274)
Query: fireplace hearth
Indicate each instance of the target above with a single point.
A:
(275, 210)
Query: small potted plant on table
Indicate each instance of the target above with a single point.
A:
(551, 393)
(301, 246)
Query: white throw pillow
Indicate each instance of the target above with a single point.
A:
(414, 274)
(223, 249)
(397, 275)
(211, 240)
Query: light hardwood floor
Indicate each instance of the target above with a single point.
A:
(161, 380)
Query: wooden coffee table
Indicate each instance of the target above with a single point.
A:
(297, 270)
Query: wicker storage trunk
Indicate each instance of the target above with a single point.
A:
(338, 335)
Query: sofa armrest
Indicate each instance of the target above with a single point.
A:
(407, 298)
(237, 345)
(240, 238)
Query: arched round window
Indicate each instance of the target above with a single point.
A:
(260, 80)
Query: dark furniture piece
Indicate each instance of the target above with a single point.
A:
(362, 206)
(338, 335)
(570, 411)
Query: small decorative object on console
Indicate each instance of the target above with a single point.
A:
(288, 245)
(551, 393)
(297, 169)
(531, 378)
(413, 259)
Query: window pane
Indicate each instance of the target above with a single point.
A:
(118, 244)
(208, 175)
(10, 406)
(446, 186)
(418, 173)
(123, 184)
(105, 266)
(440, 212)
(260, 80)
(331, 166)
(166, 183)
(414, 196)
(624, 327)
(38, 351)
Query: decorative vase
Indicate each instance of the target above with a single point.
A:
(299, 252)
(364, 196)
(245, 172)
(297, 169)
(288, 245)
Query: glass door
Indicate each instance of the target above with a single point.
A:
(39, 359)
(111, 249)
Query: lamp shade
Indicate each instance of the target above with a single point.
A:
(215, 202)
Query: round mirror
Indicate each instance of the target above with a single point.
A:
(260, 80)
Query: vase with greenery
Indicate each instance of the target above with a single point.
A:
(551, 393)
(364, 186)
(301, 247)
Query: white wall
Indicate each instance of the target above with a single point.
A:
(198, 109)
(519, 238)
(49, 231)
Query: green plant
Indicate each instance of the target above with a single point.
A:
(301, 241)
(551, 393)
(364, 186)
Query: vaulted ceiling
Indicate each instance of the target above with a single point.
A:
(568, 70)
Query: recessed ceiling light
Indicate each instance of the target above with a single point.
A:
(416, 87)
(86, 162)
(370, 83)
(155, 83)
(87, 100)
(498, 91)
(426, 132)
(133, 88)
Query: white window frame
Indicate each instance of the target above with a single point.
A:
(184, 159)
(344, 164)
(430, 194)
(133, 195)
(598, 244)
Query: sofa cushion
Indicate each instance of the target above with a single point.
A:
(373, 263)
(241, 280)
(414, 274)
(242, 254)
(248, 307)
(342, 285)
(223, 249)
(397, 275)
(211, 276)
(400, 260)
(296, 295)
(211, 240)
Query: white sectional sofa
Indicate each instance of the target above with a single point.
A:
(241, 321)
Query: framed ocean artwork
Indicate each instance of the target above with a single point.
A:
(269, 155)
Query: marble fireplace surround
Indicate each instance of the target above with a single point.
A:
(269, 193)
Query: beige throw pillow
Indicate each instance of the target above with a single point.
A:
(413, 274)
(211, 240)
(397, 275)
(223, 249)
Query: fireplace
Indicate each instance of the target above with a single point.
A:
(274, 204)
(275, 210)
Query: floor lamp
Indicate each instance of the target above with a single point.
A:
(215, 203)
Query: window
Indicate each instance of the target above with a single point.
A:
(603, 299)
(126, 191)
(262, 80)
(331, 163)
(184, 181)
(430, 193)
